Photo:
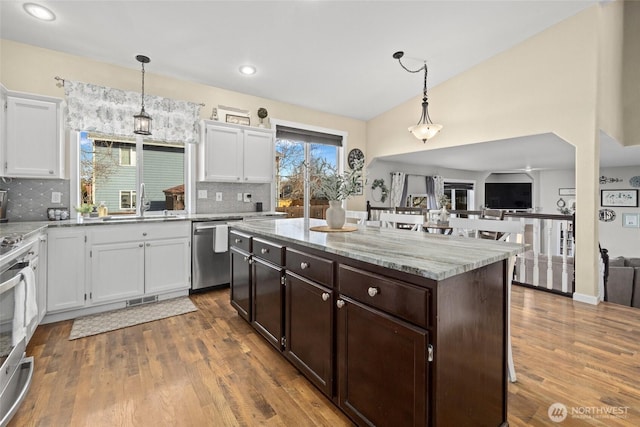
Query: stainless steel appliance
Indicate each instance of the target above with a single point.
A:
(16, 370)
(210, 255)
(4, 196)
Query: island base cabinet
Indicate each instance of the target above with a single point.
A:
(383, 367)
(267, 301)
(240, 282)
(309, 326)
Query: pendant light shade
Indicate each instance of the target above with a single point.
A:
(425, 129)
(142, 121)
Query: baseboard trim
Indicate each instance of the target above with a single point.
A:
(588, 299)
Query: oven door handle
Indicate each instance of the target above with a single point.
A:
(9, 284)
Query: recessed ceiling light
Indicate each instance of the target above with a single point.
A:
(248, 70)
(39, 12)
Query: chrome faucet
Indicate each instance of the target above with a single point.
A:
(144, 204)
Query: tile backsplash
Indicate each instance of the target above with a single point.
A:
(259, 193)
(28, 199)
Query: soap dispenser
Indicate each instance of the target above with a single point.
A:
(102, 210)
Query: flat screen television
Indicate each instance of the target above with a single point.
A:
(507, 195)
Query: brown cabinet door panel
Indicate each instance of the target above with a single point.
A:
(267, 301)
(309, 326)
(382, 367)
(241, 283)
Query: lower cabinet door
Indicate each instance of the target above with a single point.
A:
(382, 367)
(308, 330)
(167, 265)
(267, 301)
(241, 283)
(117, 271)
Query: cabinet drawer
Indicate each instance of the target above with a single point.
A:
(268, 251)
(240, 240)
(402, 300)
(310, 266)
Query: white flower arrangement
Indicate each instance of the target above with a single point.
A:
(335, 186)
(443, 200)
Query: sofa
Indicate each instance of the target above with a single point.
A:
(623, 282)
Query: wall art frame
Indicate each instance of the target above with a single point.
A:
(619, 198)
(566, 192)
(631, 220)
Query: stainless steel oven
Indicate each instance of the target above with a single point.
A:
(16, 370)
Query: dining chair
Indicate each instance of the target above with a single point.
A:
(356, 217)
(391, 220)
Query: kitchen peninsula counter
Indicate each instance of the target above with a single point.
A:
(396, 327)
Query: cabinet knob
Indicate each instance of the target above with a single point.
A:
(246, 259)
(238, 240)
(144, 234)
(246, 179)
(140, 245)
(264, 251)
(50, 172)
(304, 265)
(148, 244)
(325, 296)
(340, 303)
(372, 291)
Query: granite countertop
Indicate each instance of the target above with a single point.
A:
(433, 256)
(29, 229)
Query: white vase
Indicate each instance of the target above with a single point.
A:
(444, 215)
(336, 216)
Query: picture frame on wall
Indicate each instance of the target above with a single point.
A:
(238, 120)
(359, 188)
(619, 198)
(631, 220)
(566, 191)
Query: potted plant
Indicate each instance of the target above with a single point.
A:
(443, 201)
(337, 187)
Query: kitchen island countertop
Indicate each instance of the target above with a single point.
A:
(427, 255)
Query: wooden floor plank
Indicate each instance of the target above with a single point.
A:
(211, 368)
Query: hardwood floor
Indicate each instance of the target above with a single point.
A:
(209, 368)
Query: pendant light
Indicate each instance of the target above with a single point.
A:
(425, 129)
(142, 121)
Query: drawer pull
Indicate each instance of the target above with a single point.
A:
(325, 296)
(372, 291)
(264, 251)
(304, 265)
(340, 303)
(238, 240)
(144, 234)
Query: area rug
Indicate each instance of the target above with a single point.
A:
(122, 318)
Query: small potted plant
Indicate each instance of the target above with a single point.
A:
(443, 201)
(84, 209)
(337, 187)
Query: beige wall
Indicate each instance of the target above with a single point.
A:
(31, 69)
(548, 83)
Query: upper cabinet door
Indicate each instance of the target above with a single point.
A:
(258, 156)
(222, 154)
(236, 153)
(33, 143)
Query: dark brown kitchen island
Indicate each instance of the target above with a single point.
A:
(398, 328)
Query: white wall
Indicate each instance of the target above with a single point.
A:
(620, 241)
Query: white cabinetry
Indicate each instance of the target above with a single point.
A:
(128, 261)
(66, 268)
(33, 145)
(235, 153)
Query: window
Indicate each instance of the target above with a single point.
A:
(128, 156)
(127, 200)
(300, 154)
(107, 166)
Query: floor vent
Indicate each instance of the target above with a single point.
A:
(143, 300)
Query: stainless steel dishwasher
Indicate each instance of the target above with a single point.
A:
(209, 267)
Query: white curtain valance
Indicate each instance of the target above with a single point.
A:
(110, 111)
